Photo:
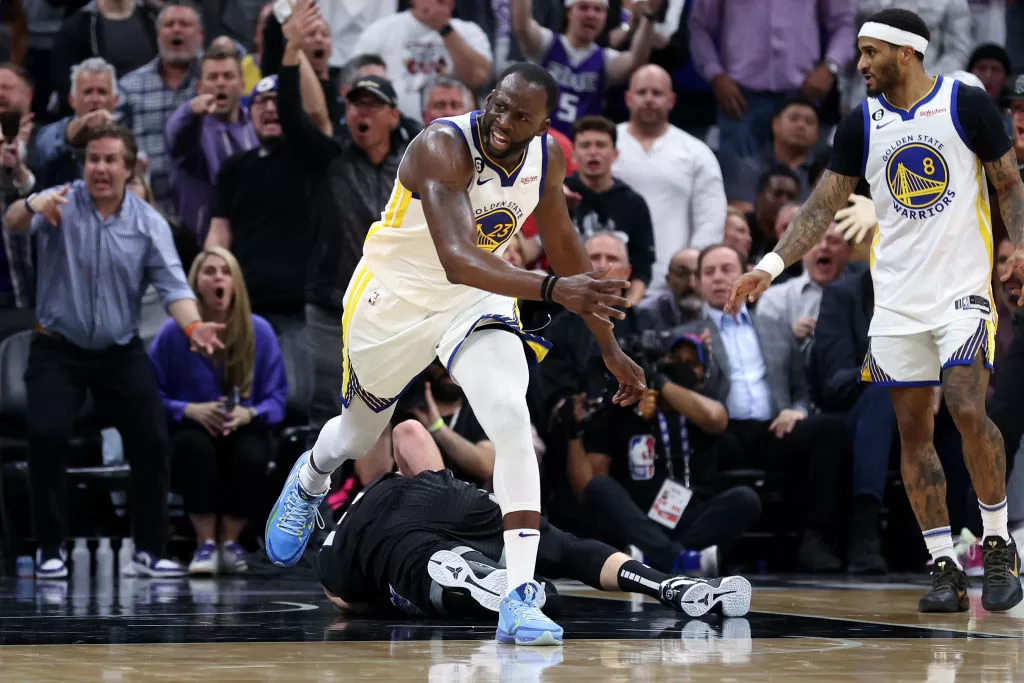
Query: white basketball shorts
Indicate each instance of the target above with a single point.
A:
(919, 359)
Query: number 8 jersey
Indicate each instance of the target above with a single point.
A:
(931, 258)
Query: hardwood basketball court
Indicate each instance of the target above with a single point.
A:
(273, 630)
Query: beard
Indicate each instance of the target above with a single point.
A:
(514, 150)
(885, 79)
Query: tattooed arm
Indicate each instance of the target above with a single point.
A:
(830, 195)
(1004, 175)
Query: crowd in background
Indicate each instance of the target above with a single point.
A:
(260, 154)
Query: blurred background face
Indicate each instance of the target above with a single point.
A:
(444, 101)
(607, 252)
(737, 234)
(179, 36)
(369, 120)
(93, 90)
(214, 284)
(783, 218)
(682, 273)
(585, 20)
(264, 117)
(650, 97)
(319, 42)
(594, 153)
(1017, 112)
(796, 126)
(222, 78)
(106, 172)
(827, 259)
(779, 190)
(1003, 253)
(721, 267)
(14, 94)
(992, 75)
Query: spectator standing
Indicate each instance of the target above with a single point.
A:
(676, 174)
(154, 91)
(203, 133)
(44, 20)
(348, 20)
(220, 451)
(122, 32)
(93, 98)
(17, 263)
(99, 246)
(495, 18)
(794, 137)
(424, 41)
(583, 69)
(755, 54)
(608, 204)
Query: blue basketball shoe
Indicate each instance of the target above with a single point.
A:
(520, 620)
(290, 524)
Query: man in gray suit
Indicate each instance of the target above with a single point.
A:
(758, 372)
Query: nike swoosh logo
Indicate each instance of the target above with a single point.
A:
(883, 125)
(483, 182)
(522, 535)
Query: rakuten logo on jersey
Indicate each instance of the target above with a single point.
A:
(925, 113)
(529, 179)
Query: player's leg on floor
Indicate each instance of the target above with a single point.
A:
(464, 582)
(345, 437)
(926, 488)
(964, 387)
(491, 368)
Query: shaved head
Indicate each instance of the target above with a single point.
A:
(650, 98)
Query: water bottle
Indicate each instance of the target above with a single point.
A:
(80, 558)
(104, 577)
(104, 558)
(124, 557)
(26, 566)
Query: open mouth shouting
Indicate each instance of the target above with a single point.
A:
(499, 141)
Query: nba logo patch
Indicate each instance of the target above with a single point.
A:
(641, 457)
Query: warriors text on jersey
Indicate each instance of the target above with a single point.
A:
(931, 258)
(399, 249)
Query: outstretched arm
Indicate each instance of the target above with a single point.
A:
(810, 223)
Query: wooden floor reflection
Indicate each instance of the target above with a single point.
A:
(836, 660)
(245, 630)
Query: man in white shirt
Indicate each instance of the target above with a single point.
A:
(348, 19)
(796, 301)
(676, 174)
(424, 41)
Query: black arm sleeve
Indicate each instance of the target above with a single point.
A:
(273, 46)
(848, 146)
(981, 123)
(223, 190)
(641, 241)
(300, 133)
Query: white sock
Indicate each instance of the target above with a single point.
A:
(993, 518)
(313, 482)
(520, 556)
(940, 544)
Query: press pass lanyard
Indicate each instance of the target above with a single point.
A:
(684, 442)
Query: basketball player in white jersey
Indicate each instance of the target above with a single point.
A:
(926, 144)
(432, 284)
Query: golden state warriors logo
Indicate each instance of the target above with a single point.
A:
(494, 228)
(918, 180)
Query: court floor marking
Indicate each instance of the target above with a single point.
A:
(292, 607)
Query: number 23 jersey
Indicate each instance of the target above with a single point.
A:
(931, 258)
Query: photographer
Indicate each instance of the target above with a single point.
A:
(659, 459)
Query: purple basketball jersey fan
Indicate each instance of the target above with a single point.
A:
(581, 87)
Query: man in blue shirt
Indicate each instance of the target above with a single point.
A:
(98, 249)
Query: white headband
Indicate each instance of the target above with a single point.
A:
(891, 34)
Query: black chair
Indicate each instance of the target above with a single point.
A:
(14, 352)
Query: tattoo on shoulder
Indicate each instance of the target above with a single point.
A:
(831, 194)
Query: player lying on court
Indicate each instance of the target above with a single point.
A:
(432, 284)
(430, 544)
(926, 145)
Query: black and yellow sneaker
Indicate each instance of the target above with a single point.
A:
(1001, 588)
(949, 589)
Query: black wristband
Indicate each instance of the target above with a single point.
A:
(445, 30)
(28, 207)
(547, 287)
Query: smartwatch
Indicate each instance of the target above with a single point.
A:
(28, 204)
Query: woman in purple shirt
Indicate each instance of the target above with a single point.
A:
(220, 452)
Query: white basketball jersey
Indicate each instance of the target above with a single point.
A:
(399, 249)
(931, 259)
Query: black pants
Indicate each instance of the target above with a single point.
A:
(223, 475)
(1004, 407)
(814, 460)
(720, 521)
(122, 384)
